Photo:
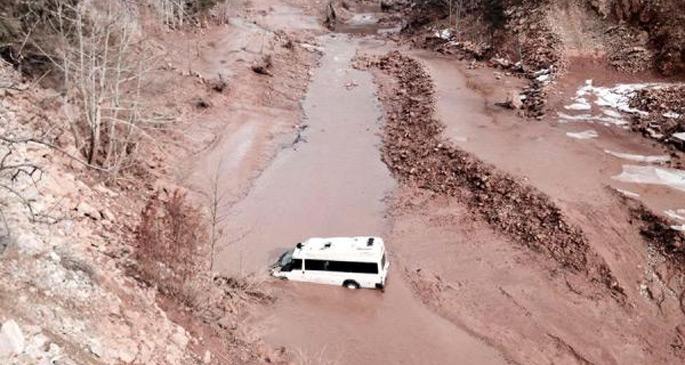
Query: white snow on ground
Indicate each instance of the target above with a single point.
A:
(680, 228)
(567, 117)
(543, 78)
(579, 105)
(604, 120)
(677, 214)
(588, 134)
(680, 136)
(445, 34)
(652, 175)
(611, 113)
(627, 193)
(671, 115)
(639, 158)
(613, 99)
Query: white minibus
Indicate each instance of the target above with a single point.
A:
(353, 262)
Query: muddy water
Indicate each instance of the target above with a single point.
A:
(568, 169)
(333, 183)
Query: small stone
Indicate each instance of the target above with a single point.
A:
(179, 338)
(107, 214)
(54, 256)
(87, 210)
(12, 340)
(30, 244)
(95, 348)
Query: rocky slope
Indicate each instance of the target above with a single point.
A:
(70, 292)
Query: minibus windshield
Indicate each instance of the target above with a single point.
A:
(286, 258)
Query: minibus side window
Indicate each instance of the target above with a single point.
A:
(315, 265)
(342, 266)
(296, 264)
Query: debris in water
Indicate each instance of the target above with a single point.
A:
(351, 85)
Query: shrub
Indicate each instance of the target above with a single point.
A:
(171, 242)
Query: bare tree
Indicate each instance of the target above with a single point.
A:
(216, 217)
(103, 65)
(171, 12)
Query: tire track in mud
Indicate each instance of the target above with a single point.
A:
(417, 153)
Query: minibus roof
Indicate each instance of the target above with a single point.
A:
(363, 249)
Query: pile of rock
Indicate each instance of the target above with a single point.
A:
(540, 46)
(465, 49)
(534, 99)
(627, 49)
(658, 233)
(417, 154)
(662, 114)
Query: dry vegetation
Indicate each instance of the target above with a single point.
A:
(171, 245)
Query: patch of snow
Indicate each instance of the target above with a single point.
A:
(652, 175)
(680, 228)
(639, 158)
(616, 98)
(680, 136)
(671, 115)
(611, 113)
(363, 19)
(611, 121)
(540, 72)
(607, 121)
(575, 117)
(627, 193)
(543, 78)
(445, 34)
(588, 134)
(580, 104)
(654, 134)
(674, 215)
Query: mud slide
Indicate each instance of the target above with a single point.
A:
(331, 181)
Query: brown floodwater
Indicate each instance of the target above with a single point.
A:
(333, 183)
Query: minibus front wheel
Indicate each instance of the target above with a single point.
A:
(351, 284)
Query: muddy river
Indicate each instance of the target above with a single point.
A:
(331, 182)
